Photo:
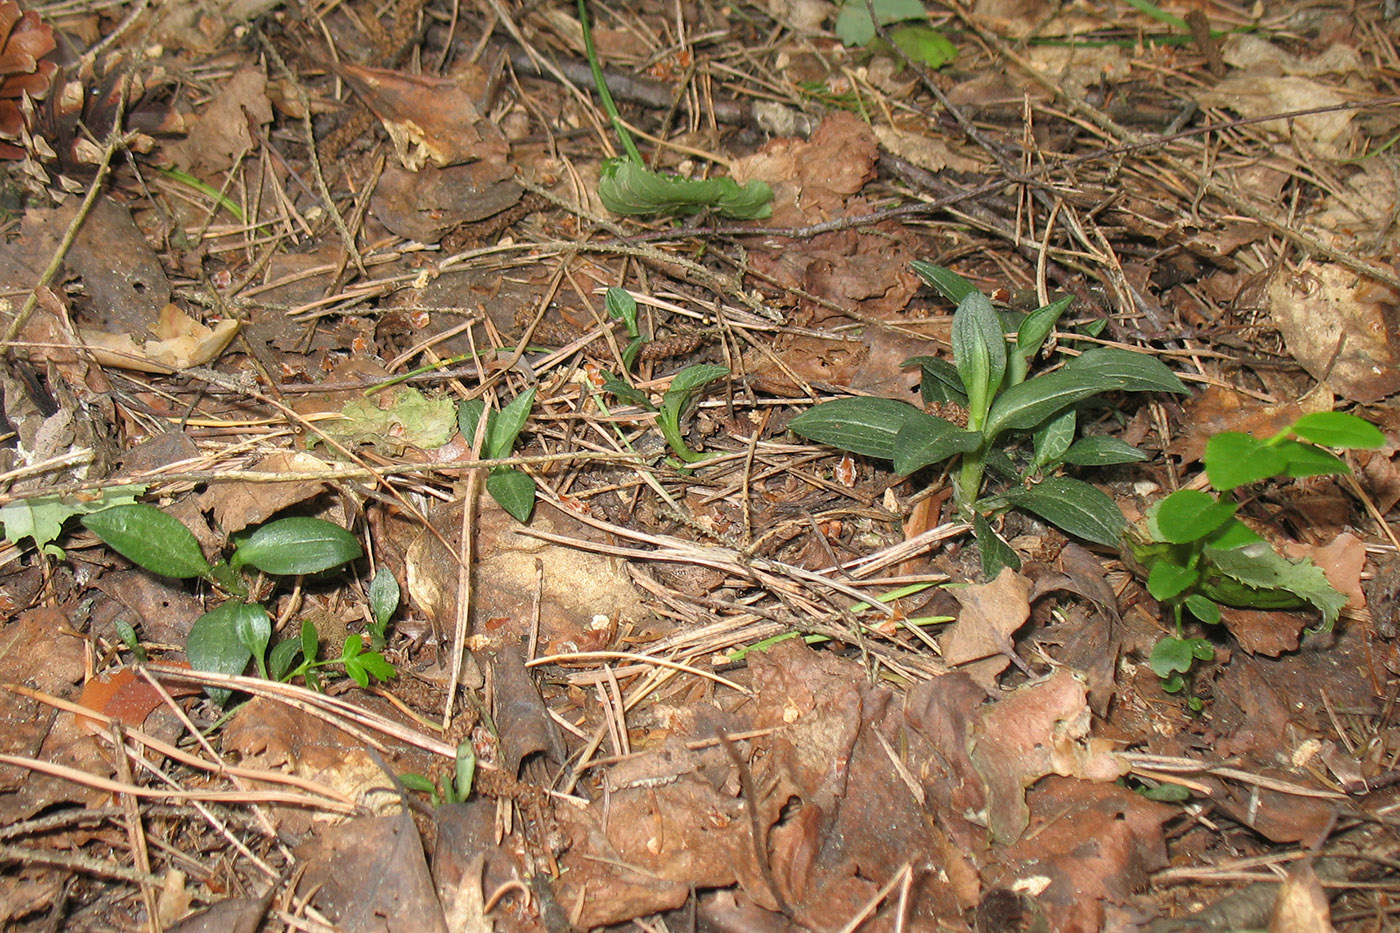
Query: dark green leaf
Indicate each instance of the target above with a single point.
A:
(1171, 655)
(1126, 370)
(514, 491)
(1338, 429)
(279, 660)
(625, 392)
(254, 631)
(310, 641)
(947, 282)
(999, 462)
(925, 439)
(995, 553)
(979, 353)
(507, 424)
(1202, 608)
(1052, 439)
(1039, 325)
(1189, 515)
(1233, 459)
(693, 377)
(1025, 406)
(214, 644)
(939, 381)
(625, 187)
(469, 416)
(383, 596)
(1072, 506)
(622, 307)
(297, 545)
(865, 426)
(1167, 580)
(1307, 460)
(150, 539)
(924, 44)
(1102, 450)
(853, 26)
(1167, 793)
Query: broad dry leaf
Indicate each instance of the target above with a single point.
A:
(180, 342)
(991, 613)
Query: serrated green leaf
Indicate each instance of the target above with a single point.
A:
(853, 26)
(1052, 439)
(297, 545)
(1026, 405)
(1039, 325)
(384, 596)
(622, 307)
(1202, 608)
(866, 426)
(1233, 459)
(1073, 506)
(926, 439)
(1189, 515)
(1126, 370)
(506, 425)
(1338, 429)
(1102, 450)
(994, 553)
(215, 642)
(1307, 460)
(41, 518)
(979, 353)
(1167, 580)
(1260, 566)
(924, 44)
(945, 281)
(626, 187)
(514, 491)
(150, 539)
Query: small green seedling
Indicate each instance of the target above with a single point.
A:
(627, 186)
(227, 637)
(359, 664)
(1196, 556)
(675, 403)
(383, 603)
(447, 792)
(911, 32)
(513, 489)
(623, 307)
(988, 379)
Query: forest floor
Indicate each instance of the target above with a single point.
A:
(267, 260)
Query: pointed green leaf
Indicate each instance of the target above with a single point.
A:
(1338, 429)
(866, 426)
(1072, 506)
(297, 545)
(310, 641)
(939, 381)
(1233, 459)
(625, 392)
(947, 282)
(925, 439)
(1102, 450)
(979, 353)
(1202, 608)
(383, 596)
(279, 660)
(507, 424)
(995, 553)
(150, 539)
(216, 644)
(1307, 460)
(1189, 515)
(1039, 325)
(373, 663)
(1052, 439)
(1126, 370)
(469, 416)
(1260, 566)
(622, 307)
(626, 187)
(1025, 406)
(514, 491)
(693, 377)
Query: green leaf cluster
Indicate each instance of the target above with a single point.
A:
(914, 36)
(989, 378)
(513, 489)
(226, 638)
(458, 789)
(675, 403)
(1196, 556)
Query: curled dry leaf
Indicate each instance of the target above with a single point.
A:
(180, 342)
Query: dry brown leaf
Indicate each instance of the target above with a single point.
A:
(981, 637)
(238, 505)
(180, 342)
(1302, 905)
(220, 135)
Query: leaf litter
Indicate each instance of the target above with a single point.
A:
(736, 695)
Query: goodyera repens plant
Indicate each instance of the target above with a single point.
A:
(1196, 556)
(227, 637)
(989, 379)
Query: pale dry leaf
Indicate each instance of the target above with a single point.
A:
(990, 614)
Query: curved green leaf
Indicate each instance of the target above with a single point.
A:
(1026, 405)
(1202, 608)
(1189, 515)
(1039, 325)
(1167, 579)
(1126, 370)
(994, 553)
(297, 545)
(627, 187)
(979, 353)
(151, 539)
(384, 596)
(218, 639)
(1053, 438)
(1102, 450)
(945, 281)
(866, 426)
(1260, 566)
(1072, 506)
(925, 439)
(1233, 459)
(507, 424)
(693, 377)
(514, 491)
(1338, 429)
(939, 380)
(1307, 460)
